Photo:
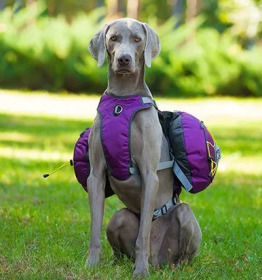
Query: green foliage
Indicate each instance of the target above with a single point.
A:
(49, 53)
(199, 62)
(45, 223)
(38, 52)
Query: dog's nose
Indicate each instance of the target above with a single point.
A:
(124, 60)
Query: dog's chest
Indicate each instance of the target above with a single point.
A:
(116, 114)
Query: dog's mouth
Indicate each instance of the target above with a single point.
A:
(123, 71)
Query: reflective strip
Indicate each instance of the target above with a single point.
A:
(182, 177)
(148, 100)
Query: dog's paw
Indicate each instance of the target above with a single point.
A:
(140, 272)
(93, 260)
(141, 266)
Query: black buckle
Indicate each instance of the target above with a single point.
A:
(162, 208)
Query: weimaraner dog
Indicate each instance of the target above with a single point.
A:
(130, 46)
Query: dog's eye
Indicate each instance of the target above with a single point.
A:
(137, 39)
(113, 38)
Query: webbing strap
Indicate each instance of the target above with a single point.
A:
(182, 177)
(161, 166)
(217, 152)
(148, 100)
(163, 210)
(165, 165)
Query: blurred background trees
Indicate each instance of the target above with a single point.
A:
(208, 47)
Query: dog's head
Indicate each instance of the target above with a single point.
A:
(128, 43)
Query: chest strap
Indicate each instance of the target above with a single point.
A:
(162, 165)
(163, 210)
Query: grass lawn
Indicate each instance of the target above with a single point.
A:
(45, 223)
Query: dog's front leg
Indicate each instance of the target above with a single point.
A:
(150, 188)
(96, 190)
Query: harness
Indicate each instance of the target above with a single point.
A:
(116, 114)
(194, 152)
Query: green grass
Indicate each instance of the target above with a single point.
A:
(45, 223)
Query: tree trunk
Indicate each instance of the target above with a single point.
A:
(100, 3)
(193, 8)
(18, 6)
(29, 2)
(178, 10)
(133, 8)
(2, 5)
(114, 9)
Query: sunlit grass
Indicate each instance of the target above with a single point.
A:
(45, 223)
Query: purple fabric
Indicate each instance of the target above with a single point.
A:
(194, 138)
(115, 131)
(81, 164)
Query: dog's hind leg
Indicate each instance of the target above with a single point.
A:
(190, 233)
(183, 236)
(122, 232)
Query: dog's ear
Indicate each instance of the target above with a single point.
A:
(97, 45)
(153, 47)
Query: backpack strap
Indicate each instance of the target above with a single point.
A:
(169, 164)
(165, 165)
(162, 165)
(163, 210)
(182, 177)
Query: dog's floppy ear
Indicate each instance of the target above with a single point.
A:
(153, 47)
(97, 45)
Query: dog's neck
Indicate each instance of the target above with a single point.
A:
(128, 84)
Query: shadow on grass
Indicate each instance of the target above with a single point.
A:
(40, 132)
(53, 134)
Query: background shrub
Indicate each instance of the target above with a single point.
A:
(39, 52)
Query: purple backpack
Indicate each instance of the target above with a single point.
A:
(195, 153)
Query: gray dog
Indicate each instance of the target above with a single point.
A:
(130, 46)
